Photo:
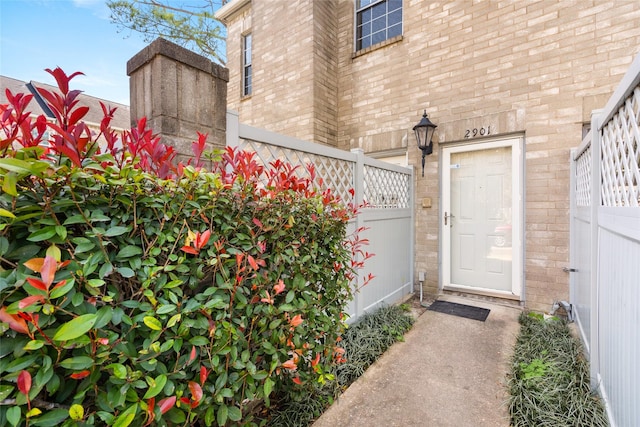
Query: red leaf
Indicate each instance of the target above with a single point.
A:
(203, 375)
(166, 404)
(252, 262)
(62, 79)
(257, 222)
(279, 288)
(37, 283)
(190, 250)
(24, 382)
(202, 239)
(151, 404)
(48, 270)
(30, 300)
(15, 322)
(316, 360)
(290, 364)
(296, 320)
(60, 283)
(80, 375)
(77, 115)
(192, 356)
(196, 391)
(297, 380)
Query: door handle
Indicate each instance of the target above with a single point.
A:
(446, 217)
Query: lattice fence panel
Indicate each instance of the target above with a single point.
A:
(621, 155)
(385, 188)
(336, 174)
(583, 178)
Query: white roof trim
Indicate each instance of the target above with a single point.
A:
(229, 9)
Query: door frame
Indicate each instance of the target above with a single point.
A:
(516, 142)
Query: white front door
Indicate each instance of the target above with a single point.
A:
(481, 217)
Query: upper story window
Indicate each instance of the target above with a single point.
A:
(377, 21)
(246, 65)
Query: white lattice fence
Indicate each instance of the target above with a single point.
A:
(583, 175)
(335, 173)
(605, 248)
(386, 189)
(621, 155)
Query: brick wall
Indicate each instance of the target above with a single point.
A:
(531, 68)
(294, 68)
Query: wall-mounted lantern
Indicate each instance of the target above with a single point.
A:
(424, 132)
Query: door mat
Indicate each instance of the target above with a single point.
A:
(461, 310)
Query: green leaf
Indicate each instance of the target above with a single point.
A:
(268, 387)
(126, 272)
(119, 371)
(19, 166)
(74, 219)
(62, 290)
(116, 231)
(42, 234)
(126, 417)
(77, 363)
(173, 320)
(50, 419)
(33, 345)
(199, 341)
(61, 231)
(9, 184)
(5, 391)
(129, 251)
(167, 308)
(75, 328)
(235, 414)
(223, 414)
(155, 386)
(290, 296)
(152, 323)
(13, 415)
(103, 317)
(6, 213)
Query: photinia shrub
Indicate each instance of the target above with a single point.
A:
(135, 290)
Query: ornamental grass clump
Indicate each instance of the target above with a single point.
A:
(549, 381)
(137, 290)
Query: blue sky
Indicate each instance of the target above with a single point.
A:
(75, 35)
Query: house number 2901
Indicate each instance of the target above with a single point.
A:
(472, 133)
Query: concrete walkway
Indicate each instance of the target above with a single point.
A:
(449, 371)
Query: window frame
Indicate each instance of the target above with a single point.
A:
(370, 4)
(246, 89)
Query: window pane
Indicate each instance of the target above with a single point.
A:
(364, 16)
(378, 37)
(396, 30)
(364, 43)
(395, 17)
(378, 24)
(363, 31)
(379, 10)
(394, 5)
(362, 3)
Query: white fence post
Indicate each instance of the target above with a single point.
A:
(358, 197)
(594, 346)
(233, 129)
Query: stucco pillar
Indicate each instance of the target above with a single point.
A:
(180, 93)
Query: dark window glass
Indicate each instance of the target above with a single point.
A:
(246, 65)
(377, 21)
